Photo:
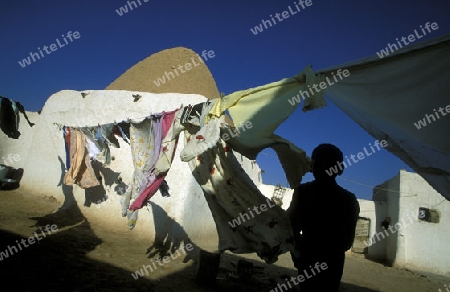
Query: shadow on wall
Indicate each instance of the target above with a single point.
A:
(382, 245)
(94, 195)
(107, 177)
(69, 199)
(169, 236)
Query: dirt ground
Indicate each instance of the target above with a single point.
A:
(81, 256)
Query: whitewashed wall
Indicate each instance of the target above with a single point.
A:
(426, 245)
(267, 191)
(416, 245)
(367, 211)
(184, 214)
(385, 206)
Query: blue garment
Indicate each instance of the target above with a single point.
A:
(66, 132)
(108, 133)
(99, 136)
(122, 133)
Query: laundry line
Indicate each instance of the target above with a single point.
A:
(126, 120)
(357, 182)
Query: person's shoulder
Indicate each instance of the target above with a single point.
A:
(351, 201)
(305, 186)
(347, 194)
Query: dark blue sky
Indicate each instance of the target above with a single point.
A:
(324, 34)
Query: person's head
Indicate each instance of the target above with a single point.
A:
(325, 159)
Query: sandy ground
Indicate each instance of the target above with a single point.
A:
(81, 256)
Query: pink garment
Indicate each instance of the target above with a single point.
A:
(167, 121)
(148, 192)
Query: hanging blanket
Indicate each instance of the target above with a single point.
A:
(145, 140)
(265, 108)
(233, 197)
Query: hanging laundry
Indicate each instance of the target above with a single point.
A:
(95, 137)
(141, 142)
(117, 130)
(151, 181)
(266, 107)
(96, 141)
(99, 136)
(195, 115)
(206, 138)
(230, 193)
(146, 138)
(169, 143)
(125, 130)
(66, 135)
(153, 149)
(10, 118)
(80, 172)
(94, 148)
(107, 131)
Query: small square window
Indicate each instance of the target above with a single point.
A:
(428, 215)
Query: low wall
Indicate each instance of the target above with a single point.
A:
(42, 156)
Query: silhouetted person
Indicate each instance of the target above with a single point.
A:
(323, 216)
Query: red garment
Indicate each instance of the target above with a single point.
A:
(147, 193)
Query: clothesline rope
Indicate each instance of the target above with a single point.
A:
(126, 120)
(340, 177)
(390, 190)
(360, 183)
(376, 188)
(271, 155)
